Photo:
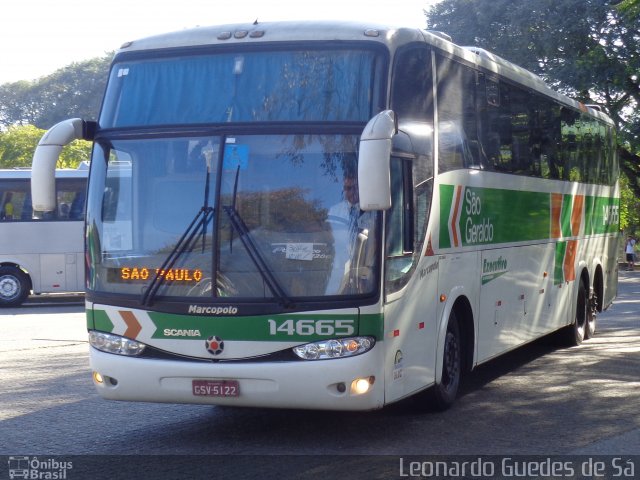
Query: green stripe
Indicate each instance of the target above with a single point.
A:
(490, 216)
(90, 322)
(446, 200)
(601, 215)
(294, 327)
(101, 321)
(565, 216)
(558, 271)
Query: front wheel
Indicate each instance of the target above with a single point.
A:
(443, 394)
(14, 286)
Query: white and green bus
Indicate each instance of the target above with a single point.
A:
(41, 252)
(333, 216)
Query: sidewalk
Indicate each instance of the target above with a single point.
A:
(621, 316)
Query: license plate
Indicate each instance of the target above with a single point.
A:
(215, 388)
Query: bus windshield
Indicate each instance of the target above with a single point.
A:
(281, 217)
(278, 86)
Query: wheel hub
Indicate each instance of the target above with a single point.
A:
(9, 287)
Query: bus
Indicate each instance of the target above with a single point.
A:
(41, 252)
(333, 216)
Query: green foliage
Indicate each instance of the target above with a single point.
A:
(629, 207)
(73, 91)
(630, 9)
(18, 143)
(28, 109)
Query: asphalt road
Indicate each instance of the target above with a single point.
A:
(540, 401)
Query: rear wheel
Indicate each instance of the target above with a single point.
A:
(575, 333)
(14, 286)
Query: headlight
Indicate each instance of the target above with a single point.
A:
(106, 342)
(335, 348)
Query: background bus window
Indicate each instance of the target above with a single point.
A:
(15, 201)
(70, 196)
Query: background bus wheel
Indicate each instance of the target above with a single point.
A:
(574, 333)
(14, 286)
(443, 394)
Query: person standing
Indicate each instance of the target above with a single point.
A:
(629, 250)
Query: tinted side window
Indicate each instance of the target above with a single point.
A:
(457, 118)
(412, 84)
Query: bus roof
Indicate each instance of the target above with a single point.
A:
(390, 36)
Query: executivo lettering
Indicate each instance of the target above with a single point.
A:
(492, 269)
(499, 265)
(212, 310)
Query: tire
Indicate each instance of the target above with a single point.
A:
(443, 394)
(14, 286)
(574, 334)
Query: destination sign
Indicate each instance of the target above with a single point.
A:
(142, 274)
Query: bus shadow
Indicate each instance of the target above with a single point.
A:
(508, 363)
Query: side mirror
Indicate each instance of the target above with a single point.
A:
(374, 174)
(45, 157)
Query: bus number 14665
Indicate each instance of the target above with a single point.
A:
(312, 327)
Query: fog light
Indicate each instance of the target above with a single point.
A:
(361, 385)
(97, 378)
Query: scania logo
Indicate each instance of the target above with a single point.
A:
(214, 345)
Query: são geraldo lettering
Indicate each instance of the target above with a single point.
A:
(477, 230)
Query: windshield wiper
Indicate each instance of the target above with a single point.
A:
(199, 222)
(252, 249)
(256, 257)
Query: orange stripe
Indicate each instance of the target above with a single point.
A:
(556, 211)
(133, 326)
(576, 214)
(456, 207)
(570, 261)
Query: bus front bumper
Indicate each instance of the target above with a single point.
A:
(334, 384)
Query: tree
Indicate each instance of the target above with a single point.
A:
(73, 91)
(629, 8)
(629, 208)
(18, 143)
